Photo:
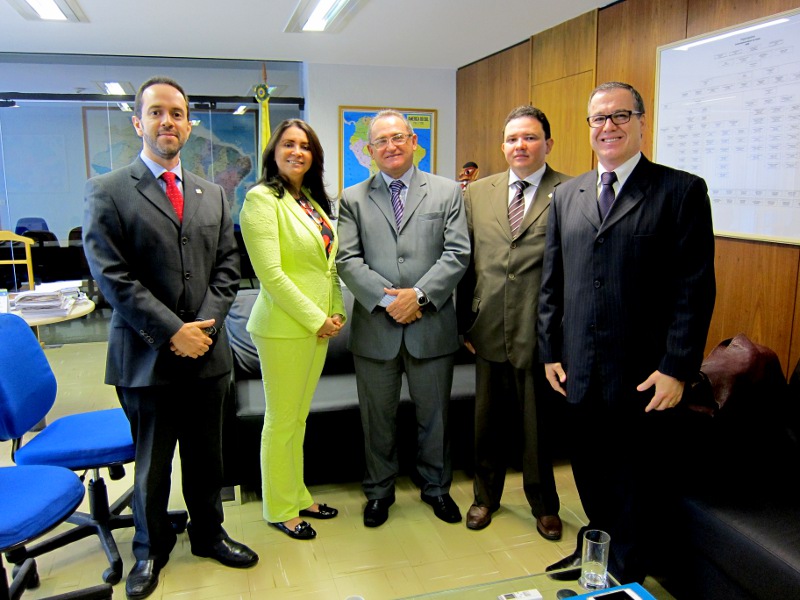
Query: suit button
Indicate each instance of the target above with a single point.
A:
(601, 240)
(184, 240)
(511, 276)
(187, 275)
(401, 260)
(327, 274)
(598, 284)
(513, 245)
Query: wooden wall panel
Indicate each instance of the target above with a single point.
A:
(756, 283)
(486, 91)
(564, 102)
(565, 50)
(705, 16)
(628, 34)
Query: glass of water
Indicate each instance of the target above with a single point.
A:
(594, 559)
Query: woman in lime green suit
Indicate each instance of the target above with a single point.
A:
(286, 227)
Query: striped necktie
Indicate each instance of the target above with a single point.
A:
(516, 210)
(397, 203)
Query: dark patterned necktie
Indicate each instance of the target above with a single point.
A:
(516, 210)
(606, 198)
(174, 193)
(397, 203)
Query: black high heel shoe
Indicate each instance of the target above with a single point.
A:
(302, 531)
(325, 512)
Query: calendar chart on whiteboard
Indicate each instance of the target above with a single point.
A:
(728, 110)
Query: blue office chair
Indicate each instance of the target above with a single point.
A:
(26, 223)
(34, 500)
(82, 442)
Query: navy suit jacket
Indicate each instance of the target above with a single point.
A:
(634, 293)
(157, 272)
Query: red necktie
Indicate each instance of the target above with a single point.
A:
(174, 193)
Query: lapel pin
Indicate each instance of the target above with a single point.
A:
(550, 195)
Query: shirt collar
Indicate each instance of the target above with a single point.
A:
(405, 177)
(157, 170)
(623, 171)
(534, 178)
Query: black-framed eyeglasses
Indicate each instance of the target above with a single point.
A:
(618, 118)
(398, 139)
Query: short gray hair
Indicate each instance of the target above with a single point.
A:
(388, 112)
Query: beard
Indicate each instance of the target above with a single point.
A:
(167, 148)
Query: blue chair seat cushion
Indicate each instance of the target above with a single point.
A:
(35, 499)
(83, 441)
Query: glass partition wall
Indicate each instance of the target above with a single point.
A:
(52, 141)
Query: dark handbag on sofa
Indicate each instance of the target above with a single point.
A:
(734, 369)
(735, 429)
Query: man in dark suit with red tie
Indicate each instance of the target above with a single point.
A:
(166, 260)
(627, 295)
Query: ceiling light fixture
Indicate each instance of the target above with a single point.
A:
(241, 110)
(116, 88)
(124, 107)
(322, 15)
(50, 10)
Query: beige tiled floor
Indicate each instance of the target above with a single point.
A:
(412, 554)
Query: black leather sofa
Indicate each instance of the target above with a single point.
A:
(334, 443)
(740, 516)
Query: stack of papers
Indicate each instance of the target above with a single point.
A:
(56, 303)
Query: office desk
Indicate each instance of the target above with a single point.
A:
(79, 309)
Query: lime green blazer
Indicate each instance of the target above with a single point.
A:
(299, 283)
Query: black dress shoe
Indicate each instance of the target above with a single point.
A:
(324, 512)
(567, 569)
(377, 511)
(302, 531)
(444, 507)
(142, 580)
(229, 553)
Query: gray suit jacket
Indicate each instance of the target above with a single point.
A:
(158, 273)
(634, 293)
(429, 251)
(499, 296)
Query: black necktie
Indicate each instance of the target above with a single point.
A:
(606, 198)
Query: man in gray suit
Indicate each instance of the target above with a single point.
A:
(627, 295)
(166, 260)
(498, 300)
(403, 247)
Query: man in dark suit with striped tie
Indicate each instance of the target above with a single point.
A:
(627, 295)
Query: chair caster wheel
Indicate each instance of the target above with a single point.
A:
(112, 575)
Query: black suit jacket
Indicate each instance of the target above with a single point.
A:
(157, 272)
(633, 294)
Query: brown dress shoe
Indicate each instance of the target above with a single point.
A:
(549, 527)
(478, 517)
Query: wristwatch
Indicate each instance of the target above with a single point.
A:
(422, 299)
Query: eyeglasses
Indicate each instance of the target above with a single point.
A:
(398, 139)
(618, 118)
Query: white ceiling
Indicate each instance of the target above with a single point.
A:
(443, 34)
